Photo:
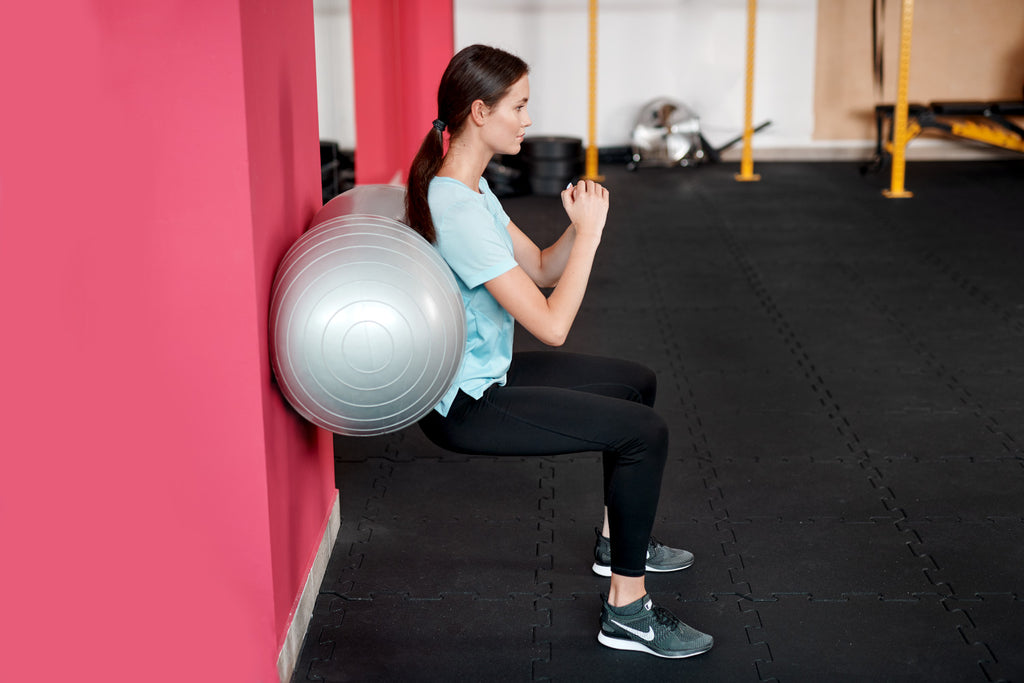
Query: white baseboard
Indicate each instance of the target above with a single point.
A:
(289, 654)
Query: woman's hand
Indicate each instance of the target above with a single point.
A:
(586, 203)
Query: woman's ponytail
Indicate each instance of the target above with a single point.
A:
(425, 166)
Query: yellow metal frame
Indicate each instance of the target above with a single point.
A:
(590, 172)
(990, 134)
(912, 130)
(746, 160)
(746, 173)
(978, 130)
(901, 132)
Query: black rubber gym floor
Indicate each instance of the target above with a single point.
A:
(844, 379)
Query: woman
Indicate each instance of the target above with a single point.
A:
(541, 403)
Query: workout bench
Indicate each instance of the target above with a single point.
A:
(985, 122)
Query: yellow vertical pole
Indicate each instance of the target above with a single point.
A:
(899, 121)
(747, 160)
(591, 165)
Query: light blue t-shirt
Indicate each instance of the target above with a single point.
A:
(473, 239)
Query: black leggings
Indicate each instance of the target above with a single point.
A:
(558, 402)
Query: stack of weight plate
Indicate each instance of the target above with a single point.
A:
(552, 162)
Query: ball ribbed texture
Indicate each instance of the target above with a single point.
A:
(367, 328)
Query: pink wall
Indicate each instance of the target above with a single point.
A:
(159, 504)
(284, 165)
(400, 49)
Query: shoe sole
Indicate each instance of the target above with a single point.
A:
(605, 570)
(633, 646)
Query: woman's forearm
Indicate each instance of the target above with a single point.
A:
(553, 260)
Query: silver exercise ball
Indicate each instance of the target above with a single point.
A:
(367, 328)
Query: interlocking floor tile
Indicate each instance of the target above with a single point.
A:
(841, 375)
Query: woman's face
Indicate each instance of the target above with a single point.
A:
(508, 120)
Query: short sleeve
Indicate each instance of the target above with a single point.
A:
(474, 250)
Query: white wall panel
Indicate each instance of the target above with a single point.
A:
(334, 78)
(690, 50)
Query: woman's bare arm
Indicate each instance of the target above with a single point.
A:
(550, 318)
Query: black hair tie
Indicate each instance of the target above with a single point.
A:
(439, 125)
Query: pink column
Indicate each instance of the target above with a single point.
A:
(400, 49)
(160, 505)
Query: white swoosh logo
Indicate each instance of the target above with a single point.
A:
(648, 636)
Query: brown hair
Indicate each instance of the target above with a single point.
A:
(477, 72)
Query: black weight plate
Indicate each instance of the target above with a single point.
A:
(552, 147)
(555, 168)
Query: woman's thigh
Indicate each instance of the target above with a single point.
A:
(547, 421)
(611, 377)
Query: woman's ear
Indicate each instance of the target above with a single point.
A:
(478, 112)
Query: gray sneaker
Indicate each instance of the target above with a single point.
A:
(651, 629)
(660, 558)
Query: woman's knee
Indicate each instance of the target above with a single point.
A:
(648, 384)
(647, 438)
(658, 430)
(641, 380)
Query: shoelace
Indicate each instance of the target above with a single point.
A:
(664, 617)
